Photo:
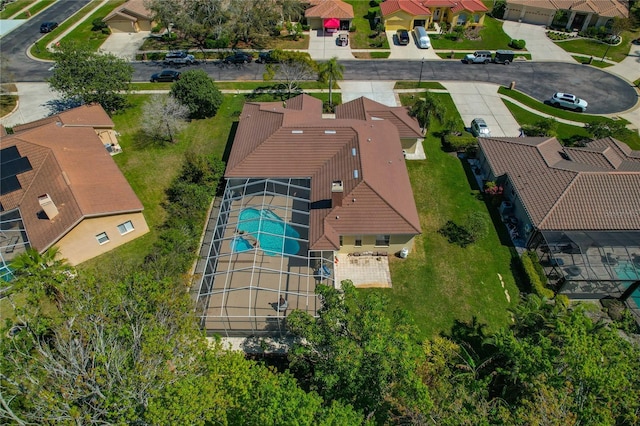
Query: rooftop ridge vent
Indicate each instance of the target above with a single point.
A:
(329, 132)
(355, 174)
(353, 152)
(297, 132)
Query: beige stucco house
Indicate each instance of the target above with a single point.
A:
(580, 14)
(131, 17)
(61, 187)
(406, 14)
(329, 15)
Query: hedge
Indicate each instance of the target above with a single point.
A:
(537, 285)
(518, 44)
(462, 143)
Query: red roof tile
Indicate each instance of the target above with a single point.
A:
(410, 6)
(330, 9)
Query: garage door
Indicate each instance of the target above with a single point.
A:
(394, 23)
(539, 17)
(124, 26)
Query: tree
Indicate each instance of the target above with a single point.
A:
(355, 354)
(166, 13)
(251, 20)
(291, 68)
(163, 117)
(331, 71)
(427, 108)
(544, 127)
(198, 93)
(85, 76)
(603, 129)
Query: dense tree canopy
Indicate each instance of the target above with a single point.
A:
(198, 93)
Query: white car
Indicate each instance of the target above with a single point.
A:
(479, 128)
(179, 57)
(567, 100)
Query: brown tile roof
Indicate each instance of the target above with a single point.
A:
(73, 167)
(595, 187)
(606, 8)
(330, 9)
(457, 5)
(273, 141)
(410, 6)
(91, 115)
(367, 109)
(132, 9)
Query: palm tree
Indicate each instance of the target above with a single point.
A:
(332, 71)
(42, 272)
(427, 108)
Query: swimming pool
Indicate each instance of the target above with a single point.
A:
(274, 235)
(625, 271)
(239, 244)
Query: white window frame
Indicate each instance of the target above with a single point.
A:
(127, 229)
(101, 238)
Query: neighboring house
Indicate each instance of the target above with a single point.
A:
(578, 207)
(406, 14)
(329, 15)
(300, 189)
(60, 187)
(131, 17)
(577, 14)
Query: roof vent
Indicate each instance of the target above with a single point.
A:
(48, 206)
(297, 132)
(353, 152)
(329, 132)
(355, 174)
(368, 139)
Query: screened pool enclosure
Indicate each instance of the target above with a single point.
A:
(259, 258)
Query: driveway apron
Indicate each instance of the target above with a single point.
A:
(379, 91)
(322, 46)
(410, 51)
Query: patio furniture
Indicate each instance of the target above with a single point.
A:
(556, 261)
(611, 259)
(573, 270)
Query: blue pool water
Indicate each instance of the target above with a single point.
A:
(625, 271)
(239, 244)
(274, 235)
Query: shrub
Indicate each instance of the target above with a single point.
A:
(98, 25)
(462, 143)
(544, 127)
(456, 234)
(219, 43)
(517, 44)
(352, 29)
(537, 285)
(499, 8)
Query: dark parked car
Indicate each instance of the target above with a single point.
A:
(47, 27)
(165, 75)
(266, 58)
(403, 37)
(238, 58)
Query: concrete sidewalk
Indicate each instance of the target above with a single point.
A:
(538, 44)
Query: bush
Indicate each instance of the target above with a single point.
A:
(219, 43)
(464, 143)
(499, 8)
(456, 234)
(537, 285)
(352, 29)
(544, 127)
(517, 44)
(98, 25)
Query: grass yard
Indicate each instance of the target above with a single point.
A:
(7, 104)
(441, 283)
(38, 50)
(35, 8)
(361, 38)
(83, 34)
(597, 49)
(414, 85)
(492, 37)
(14, 7)
(595, 62)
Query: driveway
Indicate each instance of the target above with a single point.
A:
(628, 68)
(538, 44)
(379, 91)
(481, 100)
(410, 51)
(36, 101)
(323, 46)
(124, 45)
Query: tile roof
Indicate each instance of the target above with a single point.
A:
(367, 109)
(91, 115)
(330, 9)
(457, 5)
(72, 166)
(562, 188)
(410, 6)
(132, 9)
(366, 155)
(607, 8)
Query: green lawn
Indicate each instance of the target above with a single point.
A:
(492, 37)
(439, 282)
(235, 85)
(597, 49)
(83, 34)
(361, 38)
(595, 62)
(13, 8)
(35, 8)
(414, 85)
(38, 50)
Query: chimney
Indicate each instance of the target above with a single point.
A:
(336, 193)
(48, 206)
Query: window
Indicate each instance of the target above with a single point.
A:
(125, 228)
(102, 238)
(340, 240)
(476, 18)
(462, 19)
(358, 241)
(383, 240)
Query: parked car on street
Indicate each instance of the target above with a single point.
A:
(478, 57)
(403, 37)
(569, 101)
(179, 57)
(343, 40)
(238, 58)
(47, 27)
(479, 128)
(503, 57)
(165, 75)
(266, 58)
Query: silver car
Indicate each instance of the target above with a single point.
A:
(567, 100)
(479, 128)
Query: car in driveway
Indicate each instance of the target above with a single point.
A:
(238, 58)
(479, 128)
(478, 57)
(47, 27)
(403, 37)
(569, 101)
(179, 57)
(343, 40)
(266, 58)
(165, 75)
